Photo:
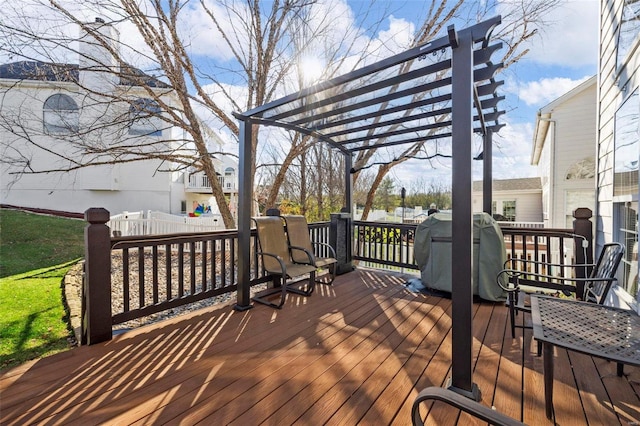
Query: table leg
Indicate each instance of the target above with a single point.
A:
(547, 353)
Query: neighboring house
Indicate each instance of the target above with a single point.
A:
(564, 151)
(48, 110)
(514, 200)
(618, 148)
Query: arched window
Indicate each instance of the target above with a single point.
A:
(145, 118)
(60, 114)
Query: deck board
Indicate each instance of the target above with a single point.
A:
(356, 352)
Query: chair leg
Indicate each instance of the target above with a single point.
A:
(310, 286)
(512, 315)
(279, 286)
(327, 279)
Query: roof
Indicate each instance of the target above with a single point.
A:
(45, 71)
(518, 184)
(404, 99)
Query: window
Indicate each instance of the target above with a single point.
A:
(509, 210)
(629, 29)
(625, 187)
(229, 173)
(626, 147)
(145, 118)
(626, 218)
(60, 114)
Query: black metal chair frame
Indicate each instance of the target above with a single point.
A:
(596, 286)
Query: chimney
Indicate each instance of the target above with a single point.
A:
(98, 67)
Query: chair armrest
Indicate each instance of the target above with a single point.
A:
(331, 249)
(510, 273)
(531, 276)
(283, 267)
(312, 258)
(538, 262)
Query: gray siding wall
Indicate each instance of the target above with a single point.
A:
(614, 84)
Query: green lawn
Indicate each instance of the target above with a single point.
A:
(30, 241)
(35, 253)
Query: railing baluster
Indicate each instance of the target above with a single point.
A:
(214, 259)
(181, 269)
(203, 265)
(168, 268)
(223, 264)
(125, 279)
(232, 262)
(141, 297)
(192, 267)
(154, 255)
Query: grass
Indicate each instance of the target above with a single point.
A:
(30, 241)
(35, 253)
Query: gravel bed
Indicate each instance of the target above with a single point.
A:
(117, 288)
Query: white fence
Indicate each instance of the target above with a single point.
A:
(158, 223)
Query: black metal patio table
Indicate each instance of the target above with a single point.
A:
(589, 328)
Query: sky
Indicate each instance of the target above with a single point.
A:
(564, 55)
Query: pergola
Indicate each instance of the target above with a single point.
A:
(427, 93)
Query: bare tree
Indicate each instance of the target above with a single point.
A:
(257, 45)
(257, 38)
(521, 20)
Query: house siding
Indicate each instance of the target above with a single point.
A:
(575, 131)
(616, 81)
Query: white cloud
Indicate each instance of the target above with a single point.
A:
(541, 92)
(570, 38)
(512, 151)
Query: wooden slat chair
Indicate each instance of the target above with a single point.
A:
(276, 260)
(298, 233)
(596, 286)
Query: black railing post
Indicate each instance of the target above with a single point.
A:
(340, 239)
(96, 291)
(582, 226)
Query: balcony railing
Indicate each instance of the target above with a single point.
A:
(155, 273)
(200, 182)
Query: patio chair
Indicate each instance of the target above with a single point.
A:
(275, 253)
(596, 286)
(298, 234)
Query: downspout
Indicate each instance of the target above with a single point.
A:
(552, 166)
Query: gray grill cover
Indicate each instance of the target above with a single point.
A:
(433, 254)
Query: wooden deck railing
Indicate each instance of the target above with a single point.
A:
(155, 273)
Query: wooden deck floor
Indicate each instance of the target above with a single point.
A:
(357, 352)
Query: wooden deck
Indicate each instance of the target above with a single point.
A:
(357, 352)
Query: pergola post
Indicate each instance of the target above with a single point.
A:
(487, 172)
(348, 182)
(244, 216)
(462, 218)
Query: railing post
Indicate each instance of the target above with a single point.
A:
(340, 239)
(582, 226)
(96, 291)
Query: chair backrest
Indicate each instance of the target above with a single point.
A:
(272, 240)
(595, 291)
(298, 233)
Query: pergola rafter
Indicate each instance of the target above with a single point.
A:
(423, 94)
